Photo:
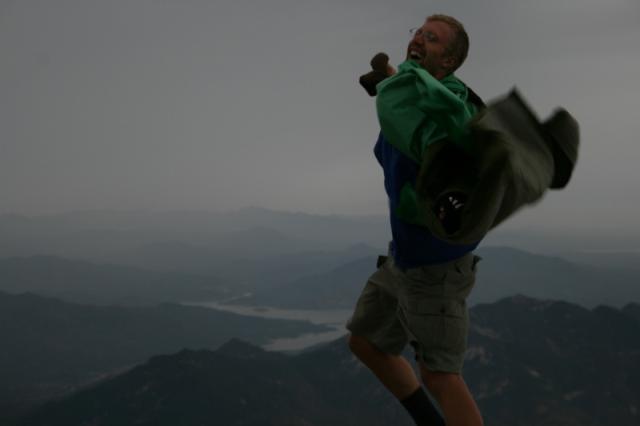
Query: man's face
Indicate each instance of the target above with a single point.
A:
(428, 47)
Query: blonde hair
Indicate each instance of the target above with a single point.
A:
(459, 46)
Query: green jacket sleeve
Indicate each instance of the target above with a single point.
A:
(415, 110)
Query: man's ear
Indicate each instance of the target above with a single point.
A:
(448, 62)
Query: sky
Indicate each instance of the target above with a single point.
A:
(217, 105)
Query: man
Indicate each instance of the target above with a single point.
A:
(418, 293)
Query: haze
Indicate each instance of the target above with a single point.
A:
(216, 105)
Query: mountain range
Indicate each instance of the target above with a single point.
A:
(50, 347)
(502, 272)
(115, 236)
(89, 282)
(206, 240)
(529, 363)
(309, 280)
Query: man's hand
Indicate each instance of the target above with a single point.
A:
(381, 69)
(448, 208)
(380, 62)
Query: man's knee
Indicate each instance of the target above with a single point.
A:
(438, 382)
(362, 348)
(358, 344)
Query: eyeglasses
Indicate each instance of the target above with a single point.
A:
(427, 36)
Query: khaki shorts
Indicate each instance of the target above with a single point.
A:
(423, 306)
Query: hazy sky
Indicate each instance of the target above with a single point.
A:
(194, 104)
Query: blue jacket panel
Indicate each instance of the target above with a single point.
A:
(412, 245)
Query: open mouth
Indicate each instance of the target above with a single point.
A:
(415, 55)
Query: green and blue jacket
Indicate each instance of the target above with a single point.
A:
(416, 110)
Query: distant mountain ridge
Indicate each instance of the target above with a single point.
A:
(502, 272)
(103, 235)
(99, 234)
(336, 289)
(50, 346)
(327, 280)
(530, 363)
(84, 281)
(257, 247)
(105, 284)
(250, 247)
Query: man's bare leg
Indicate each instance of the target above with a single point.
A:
(394, 371)
(399, 377)
(452, 393)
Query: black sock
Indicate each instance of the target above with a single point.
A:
(422, 410)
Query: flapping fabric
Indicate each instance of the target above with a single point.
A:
(497, 160)
(512, 161)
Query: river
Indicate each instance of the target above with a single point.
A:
(335, 319)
